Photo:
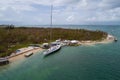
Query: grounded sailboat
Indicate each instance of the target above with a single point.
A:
(55, 48)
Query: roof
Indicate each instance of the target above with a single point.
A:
(74, 41)
(45, 44)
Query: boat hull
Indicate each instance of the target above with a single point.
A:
(51, 52)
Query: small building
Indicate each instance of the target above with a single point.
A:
(45, 45)
(59, 40)
(66, 42)
(110, 37)
(74, 42)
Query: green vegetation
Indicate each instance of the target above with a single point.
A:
(12, 38)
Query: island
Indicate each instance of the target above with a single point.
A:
(13, 38)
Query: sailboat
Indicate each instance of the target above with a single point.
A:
(54, 48)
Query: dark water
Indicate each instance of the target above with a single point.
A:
(98, 62)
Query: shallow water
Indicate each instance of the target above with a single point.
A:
(98, 62)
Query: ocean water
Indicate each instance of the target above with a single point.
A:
(98, 62)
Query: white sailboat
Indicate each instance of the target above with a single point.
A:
(52, 49)
(55, 48)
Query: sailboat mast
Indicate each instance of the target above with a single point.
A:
(51, 22)
(51, 16)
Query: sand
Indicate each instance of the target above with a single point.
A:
(21, 56)
(109, 39)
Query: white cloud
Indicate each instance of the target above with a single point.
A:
(65, 11)
(108, 15)
(82, 4)
(109, 4)
(70, 18)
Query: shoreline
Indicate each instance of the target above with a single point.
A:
(108, 39)
(21, 56)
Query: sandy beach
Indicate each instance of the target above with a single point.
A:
(21, 56)
(109, 39)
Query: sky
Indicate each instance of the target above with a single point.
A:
(37, 12)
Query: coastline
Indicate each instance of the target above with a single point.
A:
(23, 36)
(108, 39)
(21, 56)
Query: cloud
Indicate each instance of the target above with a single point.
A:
(109, 4)
(70, 18)
(1, 15)
(65, 11)
(105, 16)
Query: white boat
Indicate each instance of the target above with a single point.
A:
(115, 39)
(4, 61)
(52, 49)
(55, 47)
(28, 54)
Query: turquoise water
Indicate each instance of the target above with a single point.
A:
(98, 62)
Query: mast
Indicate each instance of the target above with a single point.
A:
(51, 15)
